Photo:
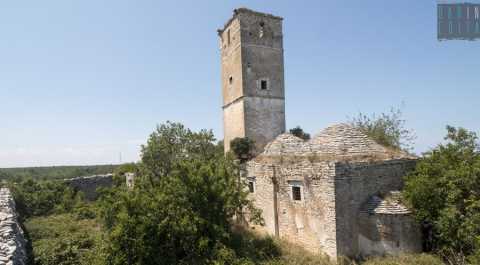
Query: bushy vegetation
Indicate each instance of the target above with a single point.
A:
(65, 239)
(242, 148)
(41, 198)
(51, 173)
(444, 190)
(188, 197)
(60, 225)
(298, 132)
(387, 129)
(181, 209)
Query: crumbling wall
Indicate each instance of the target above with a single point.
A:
(12, 241)
(355, 183)
(390, 234)
(89, 185)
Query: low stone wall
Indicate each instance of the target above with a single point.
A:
(89, 185)
(12, 241)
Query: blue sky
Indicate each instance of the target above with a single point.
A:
(83, 81)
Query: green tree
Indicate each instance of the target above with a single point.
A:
(170, 145)
(298, 132)
(182, 210)
(387, 129)
(242, 148)
(444, 190)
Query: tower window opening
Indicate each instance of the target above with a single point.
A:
(296, 193)
(263, 84)
(251, 187)
(251, 184)
(228, 37)
(261, 31)
(230, 80)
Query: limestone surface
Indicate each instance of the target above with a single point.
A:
(12, 240)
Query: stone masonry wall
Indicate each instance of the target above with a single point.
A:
(309, 222)
(354, 185)
(264, 119)
(252, 52)
(89, 185)
(388, 233)
(12, 241)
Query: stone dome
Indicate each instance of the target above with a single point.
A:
(287, 144)
(336, 143)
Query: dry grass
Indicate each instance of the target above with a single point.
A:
(416, 259)
(294, 255)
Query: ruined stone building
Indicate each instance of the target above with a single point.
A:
(338, 193)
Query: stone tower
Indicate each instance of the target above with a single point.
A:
(252, 77)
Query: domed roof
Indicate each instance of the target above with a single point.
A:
(337, 142)
(287, 144)
(345, 140)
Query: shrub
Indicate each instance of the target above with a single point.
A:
(387, 129)
(64, 240)
(242, 148)
(444, 191)
(182, 210)
(40, 198)
(298, 132)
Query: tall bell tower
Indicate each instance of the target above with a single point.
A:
(252, 77)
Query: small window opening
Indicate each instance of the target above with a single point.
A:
(251, 186)
(261, 31)
(230, 80)
(296, 193)
(263, 84)
(228, 37)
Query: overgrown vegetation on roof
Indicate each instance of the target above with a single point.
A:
(388, 129)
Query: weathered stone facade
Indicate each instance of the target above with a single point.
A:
(88, 185)
(252, 77)
(335, 193)
(12, 241)
(336, 175)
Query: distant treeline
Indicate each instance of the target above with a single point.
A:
(60, 172)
